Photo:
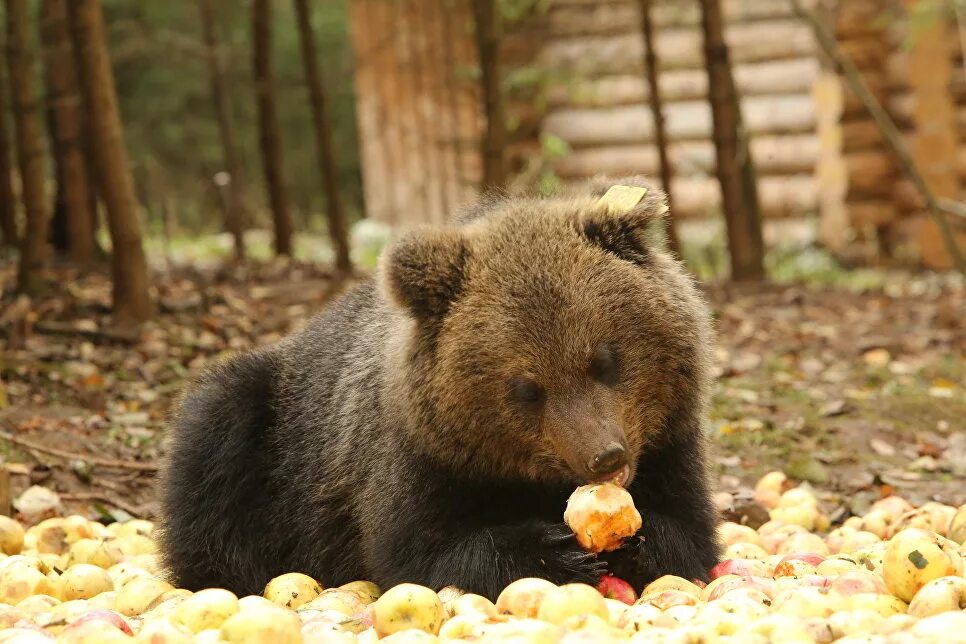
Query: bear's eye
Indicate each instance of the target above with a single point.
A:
(603, 365)
(526, 391)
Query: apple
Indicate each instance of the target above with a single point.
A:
(914, 557)
(292, 589)
(938, 596)
(769, 488)
(139, 594)
(745, 550)
(523, 597)
(740, 567)
(569, 600)
(83, 581)
(260, 624)
(730, 533)
(108, 616)
(408, 606)
(602, 516)
(957, 526)
(207, 608)
(857, 581)
(672, 582)
(615, 588)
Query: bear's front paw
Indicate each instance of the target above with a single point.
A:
(562, 560)
(654, 553)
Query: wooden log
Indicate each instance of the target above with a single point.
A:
(773, 155)
(685, 121)
(871, 212)
(677, 49)
(781, 197)
(871, 173)
(794, 76)
(608, 18)
(862, 135)
(936, 138)
(853, 106)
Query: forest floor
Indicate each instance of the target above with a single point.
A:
(859, 390)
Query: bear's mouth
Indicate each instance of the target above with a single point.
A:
(620, 477)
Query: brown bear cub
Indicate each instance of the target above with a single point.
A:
(430, 425)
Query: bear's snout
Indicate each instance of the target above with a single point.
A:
(611, 459)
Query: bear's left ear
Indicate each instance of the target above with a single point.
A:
(423, 271)
(619, 220)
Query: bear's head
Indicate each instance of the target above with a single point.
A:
(545, 338)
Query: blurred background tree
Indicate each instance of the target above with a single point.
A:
(164, 86)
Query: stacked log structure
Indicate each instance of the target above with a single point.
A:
(600, 105)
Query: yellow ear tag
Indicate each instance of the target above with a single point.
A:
(622, 199)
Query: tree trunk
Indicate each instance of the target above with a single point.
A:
(660, 133)
(132, 303)
(335, 214)
(270, 140)
(29, 138)
(235, 206)
(733, 159)
(8, 207)
(64, 100)
(86, 136)
(487, 21)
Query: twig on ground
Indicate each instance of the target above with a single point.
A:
(63, 328)
(93, 460)
(885, 124)
(106, 497)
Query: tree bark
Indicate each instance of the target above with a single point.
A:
(335, 214)
(132, 303)
(733, 159)
(487, 21)
(64, 100)
(235, 207)
(660, 132)
(270, 140)
(8, 207)
(86, 136)
(29, 140)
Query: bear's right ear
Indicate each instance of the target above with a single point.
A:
(423, 271)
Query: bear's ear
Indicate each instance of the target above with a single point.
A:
(423, 271)
(620, 219)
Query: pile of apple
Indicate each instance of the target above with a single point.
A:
(894, 575)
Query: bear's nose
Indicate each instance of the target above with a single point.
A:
(608, 461)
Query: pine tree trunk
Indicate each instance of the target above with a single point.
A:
(8, 208)
(657, 110)
(335, 214)
(733, 158)
(64, 100)
(487, 21)
(270, 140)
(86, 136)
(29, 139)
(235, 210)
(132, 303)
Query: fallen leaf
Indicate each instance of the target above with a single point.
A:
(881, 447)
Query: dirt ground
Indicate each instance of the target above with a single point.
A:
(858, 391)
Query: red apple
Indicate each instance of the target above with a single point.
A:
(104, 615)
(615, 588)
(808, 557)
(741, 567)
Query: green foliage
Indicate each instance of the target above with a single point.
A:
(512, 11)
(170, 127)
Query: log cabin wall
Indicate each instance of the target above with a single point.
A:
(600, 108)
(818, 154)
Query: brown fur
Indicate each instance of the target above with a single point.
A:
(431, 424)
